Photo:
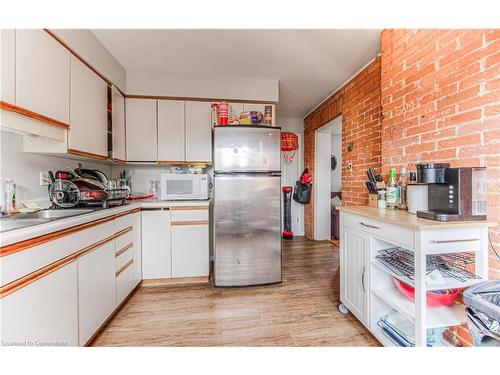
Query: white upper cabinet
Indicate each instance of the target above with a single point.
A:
(118, 123)
(88, 110)
(8, 66)
(42, 74)
(171, 130)
(142, 143)
(198, 131)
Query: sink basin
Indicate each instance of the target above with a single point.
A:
(6, 225)
(26, 220)
(56, 214)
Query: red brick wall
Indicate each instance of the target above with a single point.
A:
(358, 102)
(441, 102)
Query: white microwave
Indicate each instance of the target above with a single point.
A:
(184, 186)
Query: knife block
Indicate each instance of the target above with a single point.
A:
(372, 200)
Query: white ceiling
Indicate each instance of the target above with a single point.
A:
(309, 64)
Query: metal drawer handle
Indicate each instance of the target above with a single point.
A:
(452, 241)
(368, 225)
(363, 279)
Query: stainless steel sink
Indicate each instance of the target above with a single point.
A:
(26, 220)
(57, 214)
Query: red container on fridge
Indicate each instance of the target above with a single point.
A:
(223, 113)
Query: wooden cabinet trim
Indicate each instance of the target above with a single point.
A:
(34, 115)
(189, 208)
(26, 244)
(120, 252)
(124, 267)
(72, 151)
(189, 223)
(186, 98)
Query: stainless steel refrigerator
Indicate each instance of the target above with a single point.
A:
(247, 205)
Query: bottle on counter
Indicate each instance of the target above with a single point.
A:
(401, 190)
(391, 191)
(9, 196)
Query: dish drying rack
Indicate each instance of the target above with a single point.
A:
(453, 265)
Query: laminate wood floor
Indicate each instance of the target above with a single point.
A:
(301, 311)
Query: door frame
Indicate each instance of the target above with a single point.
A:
(323, 156)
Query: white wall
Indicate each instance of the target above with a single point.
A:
(167, 84)
(291, 172)
(24, 168)
(337, 173)
(90, 49)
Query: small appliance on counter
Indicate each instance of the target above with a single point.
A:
(86, 187)
(453, 194)
(186, 186)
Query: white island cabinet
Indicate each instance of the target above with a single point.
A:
(368, 286)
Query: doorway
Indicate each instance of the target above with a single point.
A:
(327, 179)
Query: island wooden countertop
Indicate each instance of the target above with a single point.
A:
(406, 219)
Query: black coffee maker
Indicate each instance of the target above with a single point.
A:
(453, 194)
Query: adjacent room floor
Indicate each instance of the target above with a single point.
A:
(301, 311)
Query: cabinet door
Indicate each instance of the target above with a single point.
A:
(354, 277)
(171, 134)
(45, 310)
(156, 253)
(88, 111)
(8, 66)
(190, 250)
(42, 74)
(137, 250)
(96, 289)
(142, 142)
(118, 124)
(198, 131)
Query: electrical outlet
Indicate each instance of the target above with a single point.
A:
(44, 178)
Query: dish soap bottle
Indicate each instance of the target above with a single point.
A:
(391, 190)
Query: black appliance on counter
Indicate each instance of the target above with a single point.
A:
(454, 194)
(85, 187)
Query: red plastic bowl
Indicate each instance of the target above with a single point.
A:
(435, 298)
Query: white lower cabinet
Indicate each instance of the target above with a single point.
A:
(43, 312)
(190, 256)
(156, 247)
(124, 281)
(137, 247)
(354, 275)
(96, 289)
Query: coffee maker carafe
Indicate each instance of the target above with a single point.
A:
(454, 194)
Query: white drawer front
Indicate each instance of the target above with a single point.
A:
(123, 240)
(451, 240)
(390, 232)
(124, 283)
(189, 215)
(123, 222)
(124, 257)
(26, 261)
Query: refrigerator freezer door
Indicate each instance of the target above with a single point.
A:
(247, 230)
(246, 149)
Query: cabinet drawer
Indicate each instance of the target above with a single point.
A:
(189, 214)
(123, 222)
(390, 232)
(123, 240)
(124, 281)
(21, 263)
(124, 256)
(451, 240)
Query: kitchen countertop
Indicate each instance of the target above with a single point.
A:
(406, 219)
(22, 234)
